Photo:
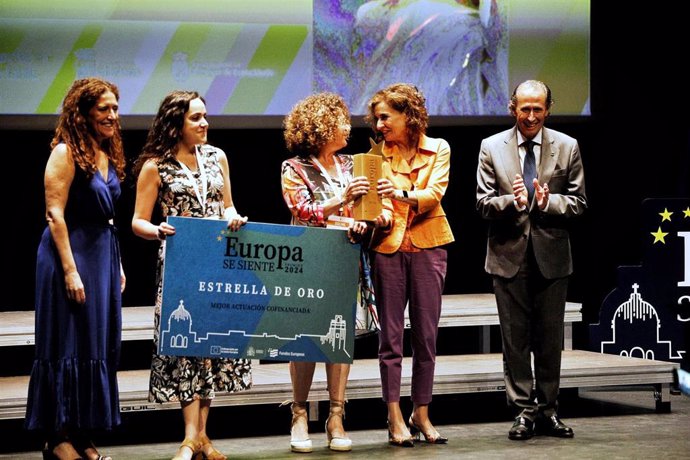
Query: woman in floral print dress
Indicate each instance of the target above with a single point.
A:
(186, 177)
(319, 188)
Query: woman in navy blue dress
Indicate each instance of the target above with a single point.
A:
(79, 278)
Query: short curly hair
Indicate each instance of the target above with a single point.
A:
(314, 122)
(404, 98)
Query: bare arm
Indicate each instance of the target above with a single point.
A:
(58, 178)
(147, 194)
(235, 220)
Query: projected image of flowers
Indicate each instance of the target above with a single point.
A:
(456, 52)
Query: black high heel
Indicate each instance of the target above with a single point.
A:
(47, 453)
(415, 431)
(400, 442)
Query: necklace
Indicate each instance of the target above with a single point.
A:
(200, 194)
(337, 189)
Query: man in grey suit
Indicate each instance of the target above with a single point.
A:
(530, 181)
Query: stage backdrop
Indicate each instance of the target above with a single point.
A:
(259, 57)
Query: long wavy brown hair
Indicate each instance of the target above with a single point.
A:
(74, 130)
(166, 129)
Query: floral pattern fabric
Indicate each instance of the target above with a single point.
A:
(175, 378)
(305, 189)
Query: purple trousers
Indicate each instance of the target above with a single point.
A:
(414, 278)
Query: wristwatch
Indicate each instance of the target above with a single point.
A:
(404, 192)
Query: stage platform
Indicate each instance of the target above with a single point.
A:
(467, 373)
(17, 327)
(454, 374)
(608, 424)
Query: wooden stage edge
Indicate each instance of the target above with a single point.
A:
(17, 327)
(454, 374)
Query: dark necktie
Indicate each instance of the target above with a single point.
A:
(529, 169)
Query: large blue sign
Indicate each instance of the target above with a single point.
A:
(275, 292)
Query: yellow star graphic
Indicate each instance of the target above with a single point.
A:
(686, 212)
(659, 236)
(666, 215)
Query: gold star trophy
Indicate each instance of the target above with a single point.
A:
(369, 164)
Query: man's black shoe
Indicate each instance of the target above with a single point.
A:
(522, 429)
(552, 426)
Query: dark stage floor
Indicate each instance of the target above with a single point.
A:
(608, 423)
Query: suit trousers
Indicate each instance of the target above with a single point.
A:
(416, 278)
(531, 309)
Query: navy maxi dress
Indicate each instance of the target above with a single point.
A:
(73, 382)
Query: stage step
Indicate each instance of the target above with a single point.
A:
(454, 374)
(17, 327)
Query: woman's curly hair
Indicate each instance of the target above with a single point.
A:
(314, 122)
(74, 130)
(404, 98)
(166, 129)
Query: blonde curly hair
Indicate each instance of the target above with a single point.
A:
(314, 122)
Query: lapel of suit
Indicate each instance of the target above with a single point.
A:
(511, 158)
(549, 157)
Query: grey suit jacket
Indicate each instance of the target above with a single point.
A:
(560, 166)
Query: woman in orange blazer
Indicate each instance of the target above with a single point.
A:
(408, 258)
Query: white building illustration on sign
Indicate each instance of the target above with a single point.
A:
(337, 333)
(635, 328)
(179, 333)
